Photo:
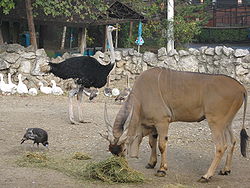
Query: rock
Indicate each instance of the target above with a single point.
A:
(172, 52)
(246, 59)
(120, 64)
(66, 55)
(125, 52)
(183, 53)
(36, 68)
(162, 52)
(98, 54)
(241, 52)
(10, 57)
(202, 49)
(227, 51)
(150, 58)
(3, 64)
(14, 48)
(28, 55)
(188, 63)
(41, 52)
(131, 51)
(194, 51)
(218, 50)
(25, 67)
(118, 55)
(209, 51)
(241, 71)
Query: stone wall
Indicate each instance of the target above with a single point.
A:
(219, 60)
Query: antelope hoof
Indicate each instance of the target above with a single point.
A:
(161, 173)
(203, 180)
(225, 173)
(150, 166)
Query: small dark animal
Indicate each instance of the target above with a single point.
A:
(38, 135)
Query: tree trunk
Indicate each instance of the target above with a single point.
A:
(1, 35)
(31, 23)
(63, 37)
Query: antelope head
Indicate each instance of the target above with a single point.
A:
(117, 145)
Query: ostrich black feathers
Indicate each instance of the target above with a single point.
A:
(38, 135)
(87, 71)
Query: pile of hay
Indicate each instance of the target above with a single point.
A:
(38, 159)
(113, 170)
(81, 156)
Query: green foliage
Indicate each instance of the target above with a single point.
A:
(7, 5)
(185, 31)
(188, 21)
(88, 8)
(222, 35)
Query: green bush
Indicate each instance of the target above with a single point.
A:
(208, 35)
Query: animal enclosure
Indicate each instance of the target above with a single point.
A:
(187, 161)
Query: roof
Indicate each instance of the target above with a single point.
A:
(116, 13)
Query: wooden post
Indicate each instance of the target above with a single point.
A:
(83, 40)
(116, 36)
(131, 30)
(63, 37)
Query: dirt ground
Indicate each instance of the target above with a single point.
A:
(190, 150)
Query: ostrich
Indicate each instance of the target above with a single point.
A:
(86, 71)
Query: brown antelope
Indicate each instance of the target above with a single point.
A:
(161, 96)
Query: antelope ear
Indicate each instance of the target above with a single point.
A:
(124, 135)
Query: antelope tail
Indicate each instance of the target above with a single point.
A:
(243, 134)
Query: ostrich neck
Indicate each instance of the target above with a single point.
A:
(112, 51)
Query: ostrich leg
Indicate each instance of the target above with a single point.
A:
(80, 105)
(72, 93)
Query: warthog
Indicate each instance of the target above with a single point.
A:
(161, 96)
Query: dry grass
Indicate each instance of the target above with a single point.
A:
(111, 170)
(81, 156)
(33, 159)
(114, 170)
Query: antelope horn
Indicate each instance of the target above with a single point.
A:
(106, 118)
(109, 135)
(124, 135)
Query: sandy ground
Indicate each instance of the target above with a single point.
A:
(190, 150)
